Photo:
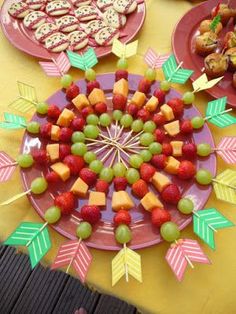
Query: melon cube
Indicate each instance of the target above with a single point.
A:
(80, 101)
(62, 170)
(97, 95)
(97, 198)
(65, 117)
(150, 201)
(121, 87)
(160, 181)
(167, 112)
(177, 148)
(152, 104)
(172, 165)
(79, 188)
(55, 133)
(172, 128)
(53, 151)
(121, 200)
(138, 99)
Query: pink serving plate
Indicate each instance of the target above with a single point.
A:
(183, 47)
(24, 40)
(144, 234)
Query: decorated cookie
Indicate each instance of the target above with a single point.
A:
(57, 42)
(67, 23)
(106, 36)
(114, 19)
(78, 40)
(86, 13)
(125, 6)
(104, 4)
(34, 19)
(44, 31)
(79, 3)
(58, 7)
(36, 4)
(92, 27)
(19, 10)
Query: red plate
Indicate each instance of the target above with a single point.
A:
(183, 48)
(144, 234)
(24, 40)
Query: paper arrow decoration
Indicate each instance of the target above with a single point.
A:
(183, 253)
(58, 67)
(7, 167)
(202, 83)
(224, 186)
(35, 237)
(227, 149)
(208, 221)
(154, 60)
(124, 50)
(217, 115)
(126, 262)
(83, 61)
(76, 254)
(13, 121)
(215, 22)
(27, 99)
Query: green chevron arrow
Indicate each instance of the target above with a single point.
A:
(83, 61)
(13, 121)
(35, 236)
(208, 221)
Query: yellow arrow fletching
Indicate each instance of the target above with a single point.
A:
(225, 186)
(202, 83)
(117, 265)
(133, 261)
(26, 91)
(123, 50)
(14, 198)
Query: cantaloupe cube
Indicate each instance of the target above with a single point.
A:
(65, 117)
(172, 128)
(62, 170)
(172, 165)
(152, 104)
(150, 201)
(97, 95)
(177, 148)
(121, 200)
(81, 101)
(97, 198)
(167, 112)
(53, 151)
(138, 99)
(160, 181)
(55, 133)
(80, 188)
(121, 87)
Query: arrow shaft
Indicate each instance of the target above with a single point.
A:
(178, 67)
(198, 216)
(9, 165)
(55, 62)
(72, 259)
(31, 101)
(225, 184)
(126, 266)
(217, 114)
(188, 260)
(40, 230)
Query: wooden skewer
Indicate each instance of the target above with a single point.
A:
(123, 162)
(107, 154)
(137, 135)
(113, 158)
(127, 137)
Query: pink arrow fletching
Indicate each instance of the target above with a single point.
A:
(58, 67)
(154, 60)
(7, 167)
(227, 149)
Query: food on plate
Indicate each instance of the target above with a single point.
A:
(36, 4)
(231, 54)
(114, 19)
(34, 19)
(205, 27)
(79, 3)
(104, 4)
(125, 6)
(86, 13)
(19, 10)
(67, 23)
(58, 7)
(78, 40)
(230, 39)
(57, 42)
(92, 27)
(234, 80)
(106, 36)
(44, 31)
(225, 13)
(206, 43)
(216, 64)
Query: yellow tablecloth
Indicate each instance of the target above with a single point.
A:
(206, 289)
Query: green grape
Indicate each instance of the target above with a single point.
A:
(106, 174)
(122, 64)
(92, 119)
(155, 148)
(78, 149)
(96, 166)
(188, 98)
(52, 214)
(38, 185)
(203, 177)
(123, 234)
(105, 119)
(135, 161)
(119, 169)
(25, 160)
(165, 86)
(66, 80)
(197, 122)
(117, 115)
(150, 74)
(91, 131)
(90, 75)
(203, 149)
(126, 120)
(84, 230)
(185, 206)
(89, 157)
(146, 155)
(33, 127)
(137, 125)
(42, 108)
(78, 136)
(146, 139)
(170, 231)
(132, 175)
(149, 127)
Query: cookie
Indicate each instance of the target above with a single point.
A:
(57, 42)
(44, 31)
(92, 27)
(19, 10)
(114, 19)
(34, 19)
(78, 40)
(104, 4)
(86, 13)
(79, 3)
(36, 4)
(67, 23)
(125, 6)
(58, 7)
(106, 36)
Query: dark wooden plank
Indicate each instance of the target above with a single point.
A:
(108, 304)
(2, 249)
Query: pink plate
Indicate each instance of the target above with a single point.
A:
(183, 47)
(144, 234)
(24, 40)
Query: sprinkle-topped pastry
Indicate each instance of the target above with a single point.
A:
(106, 36)
(125, 6)
(86, 13)
(67, 23)
(44, 31)
(92, 27)
(36, 4)
(57, 42)
(114, 19)
(58, 7)
(79, 3)
(19, 10)
(104, 4)
(34, 19)
(78, 40)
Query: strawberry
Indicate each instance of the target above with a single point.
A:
(86, 111)
(144, 86)
(52, 177)
(64, 150)
(159, 161)
(177, 106)
(40, 156)
(72, 91)
(91, 85)
(77, 124)
(144, 115)
(119, 102)
(88, 176)
(132, 109)
(160, 216)
(189, 150)
(121, 74)
(102, 186)
(160, 95)
(66, 202)
(147, 172)
(90, 213)
(167, 149)
(120, 183)
(54, 112)
(159, 119)
(186, 170)
(65, 134)
(75, 163)
(122, 217)
(100, 108)
(159, 135)
(45, 130)
(140, 188)
(186, 127)
(171, 194)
